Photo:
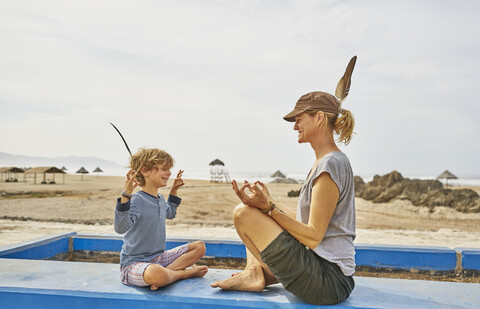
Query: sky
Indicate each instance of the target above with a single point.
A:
(213, 79)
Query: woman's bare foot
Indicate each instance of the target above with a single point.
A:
(251, 279)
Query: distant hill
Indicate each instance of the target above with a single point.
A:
(72, 163)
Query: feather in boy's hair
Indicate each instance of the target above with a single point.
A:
(145, 159)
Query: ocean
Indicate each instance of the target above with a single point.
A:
(300, 177)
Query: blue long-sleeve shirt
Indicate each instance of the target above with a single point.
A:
(142, 219)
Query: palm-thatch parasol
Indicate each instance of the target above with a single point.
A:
(97, 170)
(82, 171)
(447, 175)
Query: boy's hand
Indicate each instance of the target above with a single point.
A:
(131, 182)
(177, 183)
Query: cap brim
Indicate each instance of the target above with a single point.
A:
(291, 116)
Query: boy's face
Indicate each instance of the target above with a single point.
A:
(159, 174)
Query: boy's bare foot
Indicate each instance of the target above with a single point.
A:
(153, 288)
(251, 280)
(196, 271)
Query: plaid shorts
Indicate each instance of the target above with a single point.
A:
(132, 274)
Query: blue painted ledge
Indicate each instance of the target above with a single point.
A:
(53, 284)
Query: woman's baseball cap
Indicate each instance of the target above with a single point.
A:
(314, 101)
(323, 101)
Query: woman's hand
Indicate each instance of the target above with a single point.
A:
(177, 183)
(265, 190)
(258, 199)
(131, 182)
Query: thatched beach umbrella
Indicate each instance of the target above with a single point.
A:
(97, 170)
(447, 175)
(278, 174)
(82, 171)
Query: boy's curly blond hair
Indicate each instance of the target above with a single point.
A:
(145, 159)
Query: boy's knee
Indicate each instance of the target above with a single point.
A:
(199, 247)
(155, 275)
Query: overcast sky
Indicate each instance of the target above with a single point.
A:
(208, 79)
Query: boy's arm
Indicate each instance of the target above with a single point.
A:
(172, 204)
(122, 211)
(173, 200)
(126, 214)
(124, 217)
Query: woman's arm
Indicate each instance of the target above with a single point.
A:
(324, 200)
(325, 195)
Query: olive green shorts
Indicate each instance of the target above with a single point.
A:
(305, 274)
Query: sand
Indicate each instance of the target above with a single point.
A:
(29, 211)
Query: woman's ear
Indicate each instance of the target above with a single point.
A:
(320, 117)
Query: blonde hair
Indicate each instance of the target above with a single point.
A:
(342, 126)
(145, 159)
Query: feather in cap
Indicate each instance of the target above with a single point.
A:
(343, 86)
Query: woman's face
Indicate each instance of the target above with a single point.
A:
(305, 126)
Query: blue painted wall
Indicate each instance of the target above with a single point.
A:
(381, 256)
(406, 257)
(42, 248)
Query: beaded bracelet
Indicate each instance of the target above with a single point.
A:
(126, 195)
(272, 206)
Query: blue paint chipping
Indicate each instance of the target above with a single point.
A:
(470, 258)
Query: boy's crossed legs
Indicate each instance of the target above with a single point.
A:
(168, 267)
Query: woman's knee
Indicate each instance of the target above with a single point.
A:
(241, 212)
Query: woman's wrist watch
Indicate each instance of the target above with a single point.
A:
(126, 195)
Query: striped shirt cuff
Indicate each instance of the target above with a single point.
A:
(174, 199)
(124, 206)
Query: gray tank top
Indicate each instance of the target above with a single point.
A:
(337, 244)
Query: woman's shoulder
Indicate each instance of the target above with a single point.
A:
(334, 159)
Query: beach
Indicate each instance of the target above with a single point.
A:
(29, 211)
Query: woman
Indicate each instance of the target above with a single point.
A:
(310, 252)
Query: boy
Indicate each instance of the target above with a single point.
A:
(141, 216)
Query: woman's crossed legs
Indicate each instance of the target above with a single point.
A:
(257, 230)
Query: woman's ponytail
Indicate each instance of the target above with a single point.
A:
(344, 126)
